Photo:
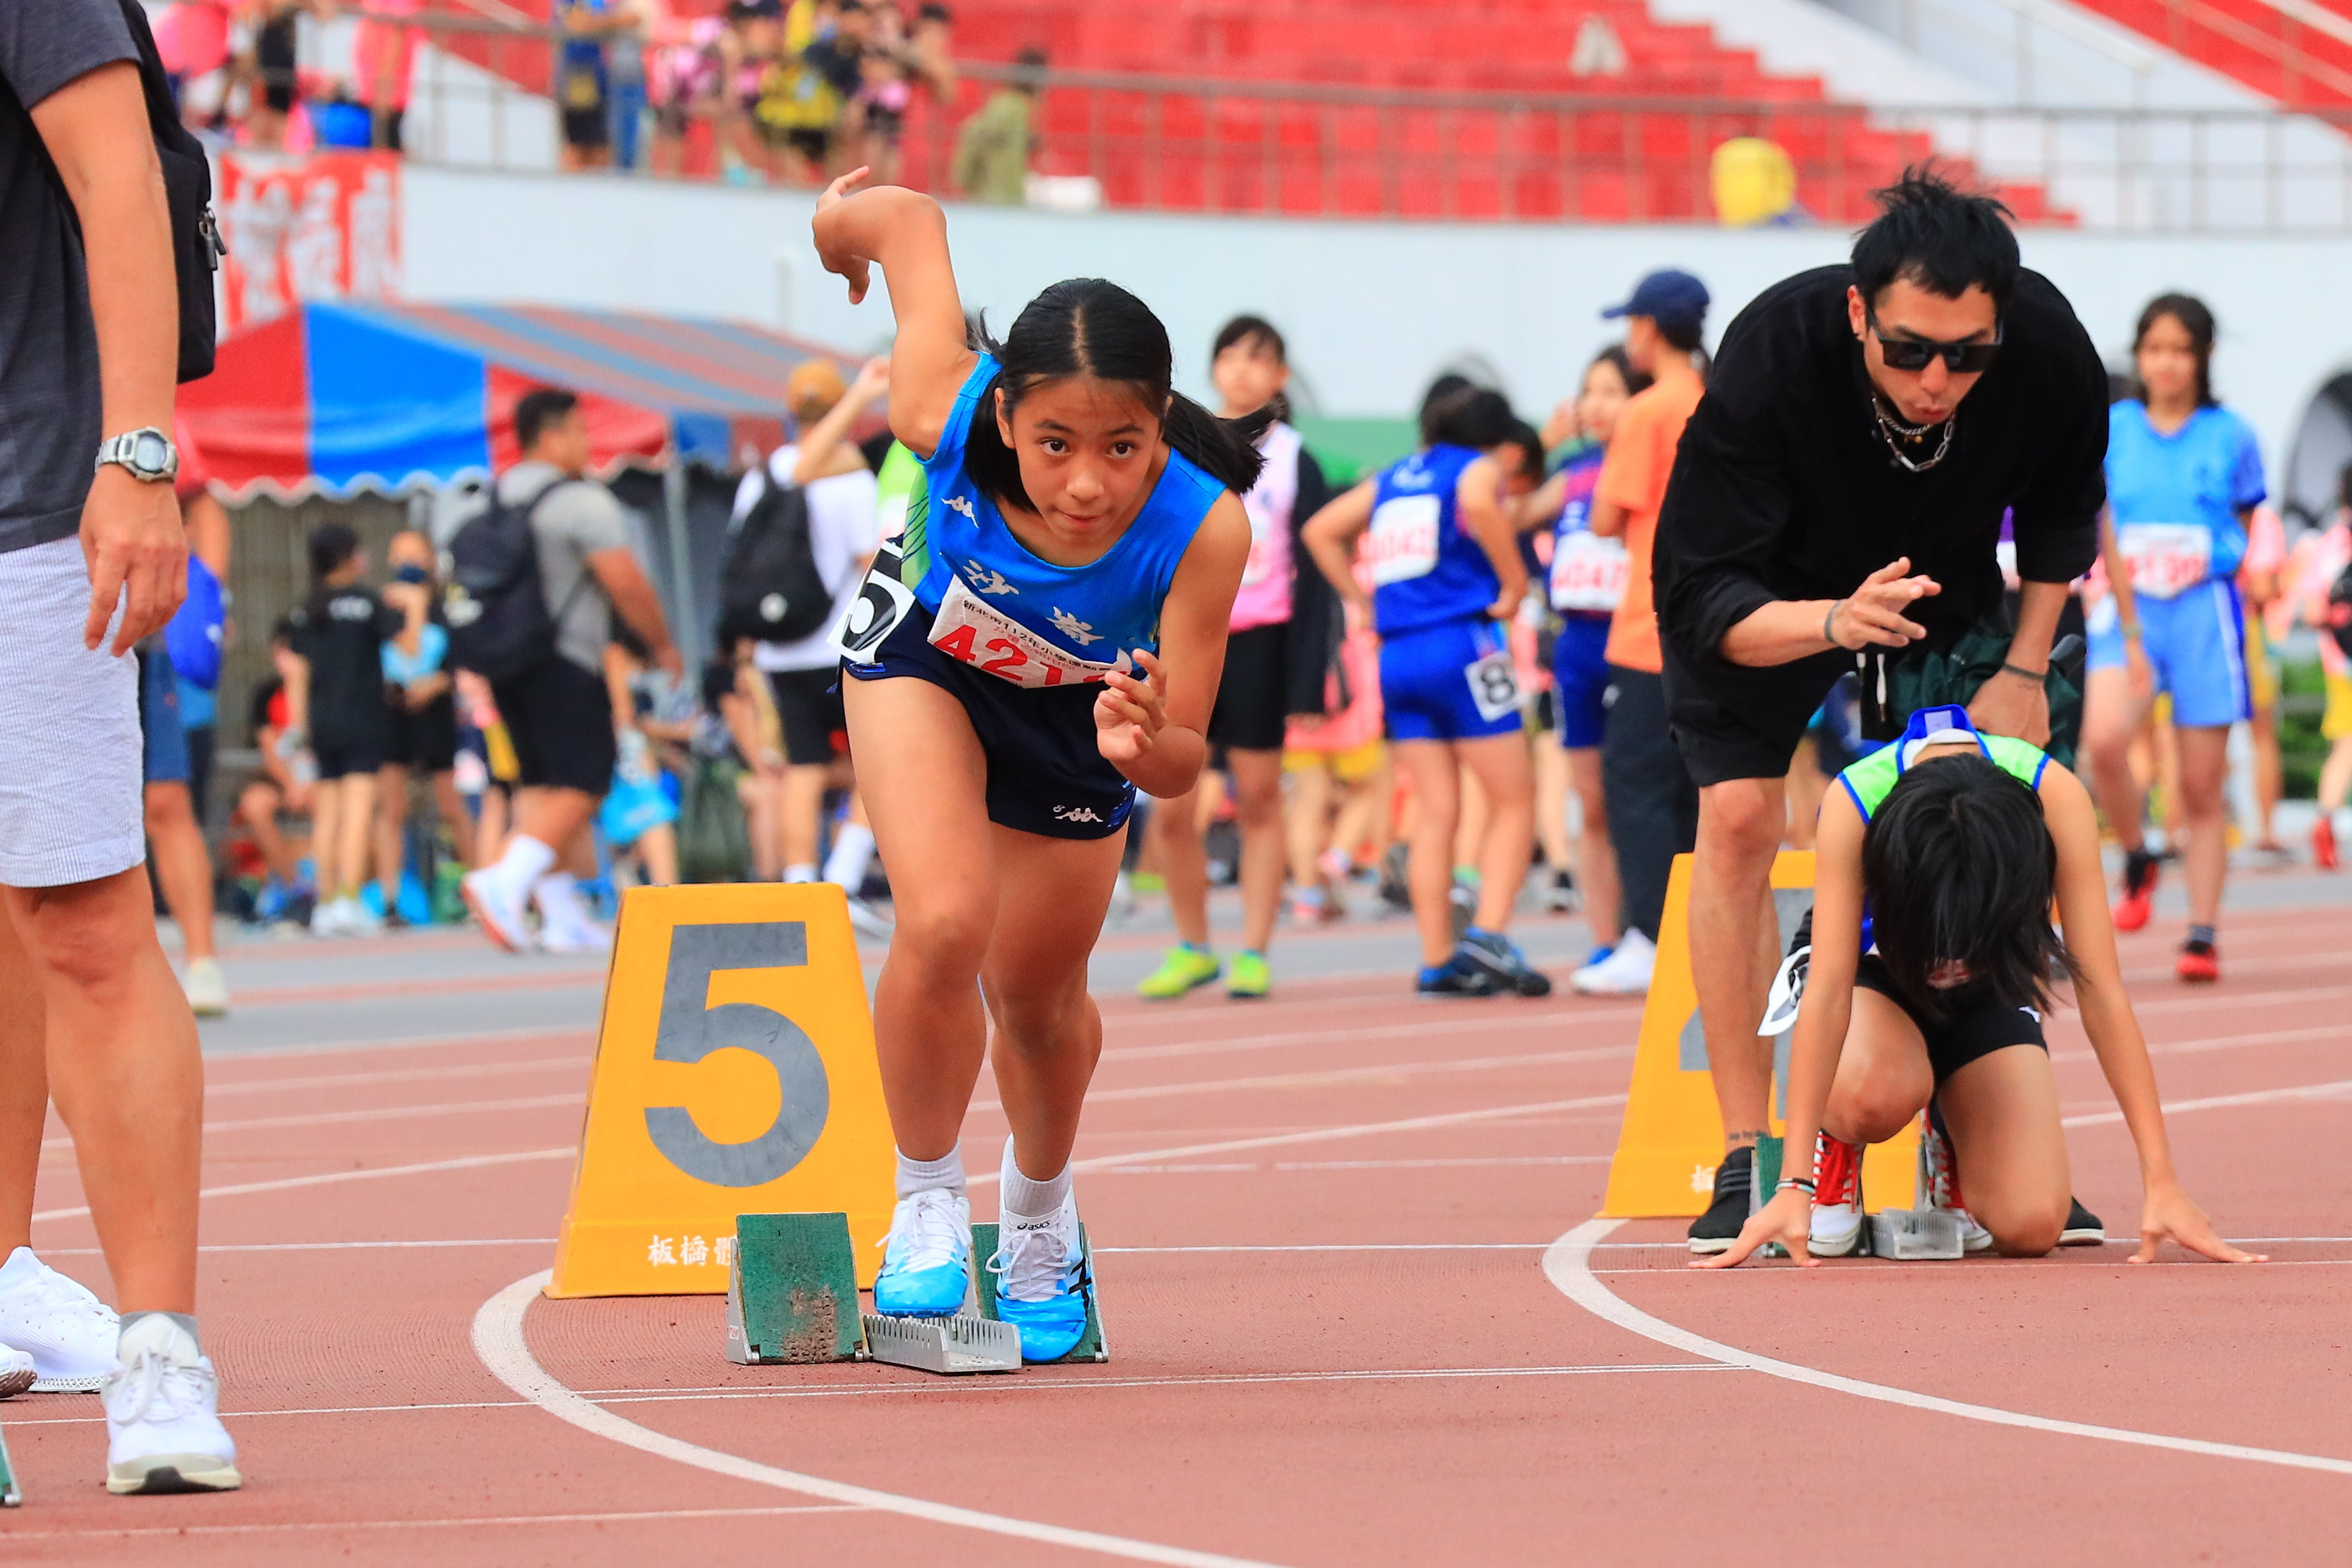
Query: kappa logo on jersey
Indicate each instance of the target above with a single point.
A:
(1079, 632)
(990, 582)
(1076, 814)
(963, 505)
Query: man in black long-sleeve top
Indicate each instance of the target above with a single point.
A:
(1834, 506)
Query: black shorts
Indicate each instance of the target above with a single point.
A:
(1980, 1025)
(341, 753)
(1045, 774)
(590, 130)
(808, 706)
(1742, 722)
(273, 56)
(425, 740)
(1251, 700)
(559, 718)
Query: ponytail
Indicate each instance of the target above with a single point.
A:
(1087, 327)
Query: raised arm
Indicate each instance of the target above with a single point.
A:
(1331, 536)
(821, 440)
(1478, 502)
(905, 234)
(2107, 1018)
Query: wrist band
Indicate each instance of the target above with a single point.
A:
(2023, 673)
(1802, 1183)
(1828, 635)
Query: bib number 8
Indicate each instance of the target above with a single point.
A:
(1494, 685)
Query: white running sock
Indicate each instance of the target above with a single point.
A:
(1030, 1198)
(558, 896)
(924, 1176)
(803, 872)
(853, 852)
(525, 861)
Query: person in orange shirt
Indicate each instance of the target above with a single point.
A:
(1653, 804)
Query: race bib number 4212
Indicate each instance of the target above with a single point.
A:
(970, 630)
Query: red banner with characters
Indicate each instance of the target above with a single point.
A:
(326, 226)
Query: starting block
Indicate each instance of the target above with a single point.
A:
(9, 1496)
(951, 1346)
(792, 1290)
(1090, 1345)
(1915, 1235)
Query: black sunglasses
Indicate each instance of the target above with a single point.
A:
(1913, 353)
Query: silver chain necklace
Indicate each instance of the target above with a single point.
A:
(1893, 431)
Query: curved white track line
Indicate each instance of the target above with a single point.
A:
(1567, 1264)
(498, 1342)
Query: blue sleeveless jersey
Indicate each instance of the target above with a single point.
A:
(1095, 612)
(1425, 571)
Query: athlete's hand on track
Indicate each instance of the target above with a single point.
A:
(1787, 1219)
(2169, 1214)
(1873, 614)
(1130, 714)
(858, 268)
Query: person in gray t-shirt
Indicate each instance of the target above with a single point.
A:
(558, 713)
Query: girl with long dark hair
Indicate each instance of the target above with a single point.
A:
(1938, 860)
(1045, 639)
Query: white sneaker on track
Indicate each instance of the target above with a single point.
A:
(162, 1414)
(65, 1333)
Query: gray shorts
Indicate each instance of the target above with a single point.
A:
(69, 746)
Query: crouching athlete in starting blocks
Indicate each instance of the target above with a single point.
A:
(1050, 641)
(1937, 861)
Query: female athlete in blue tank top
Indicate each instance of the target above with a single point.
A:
(1047, 640)
(1955, 846)
(1437, 534)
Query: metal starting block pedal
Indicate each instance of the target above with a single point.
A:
(1090, 1346)
(792, 1290)
(1912, 1235)
(964, 1344)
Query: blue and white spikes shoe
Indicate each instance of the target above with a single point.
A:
(1041, 1281)
(927, 1267)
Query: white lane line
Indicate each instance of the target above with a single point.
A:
(329, 1178)
(1567, 1264)
(2233, 1001)
(397, 1042)
(378, 1113)
(2220, 1042)
(2221, 1101)
(663, 1514)
(1482, 1025)
(498, 1342)
(1263, 1166)
(1324, 1134)
(393, 1075)
(328, 1246)
(1348, 1075)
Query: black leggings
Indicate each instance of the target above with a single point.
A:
(1653, 804)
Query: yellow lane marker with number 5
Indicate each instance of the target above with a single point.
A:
(735, 1074)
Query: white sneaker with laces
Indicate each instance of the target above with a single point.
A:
(327, 917)
(66, 1334)
(499, 907)
(162, 1414)
(207, 988)
(1625, 973)
(361, 920)
(575, 936)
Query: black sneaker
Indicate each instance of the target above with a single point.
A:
(1459, 977)
(2083, 1227)
(1500, 956)
(1562, 898)
(1726, 1217)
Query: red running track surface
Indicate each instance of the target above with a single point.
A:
(1324, 1222)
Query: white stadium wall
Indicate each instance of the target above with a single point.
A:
(1371, 310)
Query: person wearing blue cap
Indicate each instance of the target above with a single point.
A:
(1837, 502)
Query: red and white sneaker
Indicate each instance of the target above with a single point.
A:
(2323, 843)
(2201, 963)
(1944, 1188)
(2139, 902)
(1836, 1229)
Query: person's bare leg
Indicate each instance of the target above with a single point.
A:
(490, 831)
(1552, 785)
(1175, 831)
(126, 1077)
(1740, 826)
(390, 830)
(1308, 821)
(1258, 811)
(1052, 895)
(1883, 1078)
(1596, 864)
(452, 807)
(353, 829)
(2204, 752)
(554, 816)
(2111, 718)
(1367, 818)
(800, 810)
(2269, 775)
(926, 785)
(182, 865)
(1506, 779)
(658, 846)
(257, 807)
(1470, 823)
(327, 800)
(1429, 866)
(2002, 1112)
(24, 1087)
(1807, 785)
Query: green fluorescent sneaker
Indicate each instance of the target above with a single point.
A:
(1251, 978)
(1182, 969)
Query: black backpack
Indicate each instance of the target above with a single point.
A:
(196, 247)
(2340, 610)
(493, 605)
(770, 590)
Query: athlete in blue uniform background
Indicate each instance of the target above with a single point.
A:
(1047, 642)
(1440, 541)
(2183, 475)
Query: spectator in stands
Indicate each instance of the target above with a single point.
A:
(803, 676)
(384, 64)
(271, 68)
(876, 120)
(420, 692)
(92, 559)
(583, 78)
(285, 785)
(993, 149)
(799, 102)
(558, 712)
(336, 700)
(193, 37)
(1652, 805)
(932, 43)
(685, 82)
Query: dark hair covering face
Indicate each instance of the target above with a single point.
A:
(1930, 232)
(1087, 327)
(1959, 867)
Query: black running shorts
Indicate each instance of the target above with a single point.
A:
(1980, 1023)
(560, 717)
(1252, 698)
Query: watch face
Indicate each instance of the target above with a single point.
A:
(150, 452)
